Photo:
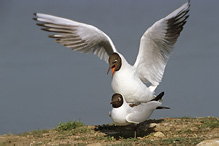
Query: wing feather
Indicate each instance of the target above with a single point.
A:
(157, 44)
(77, 36)
(142, 112)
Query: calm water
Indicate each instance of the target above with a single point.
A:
(43, 83)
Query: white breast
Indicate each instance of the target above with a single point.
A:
(118, 115)
(127, 83)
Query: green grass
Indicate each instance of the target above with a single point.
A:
(210, 123)
(78, 133)
(72, 128)
(81, 130)
(176, 141)
(69, 126)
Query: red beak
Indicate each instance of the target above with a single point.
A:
(113, 70)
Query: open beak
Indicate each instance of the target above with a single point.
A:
(113, 70)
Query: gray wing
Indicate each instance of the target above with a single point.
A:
(157, 44)
(77, 36)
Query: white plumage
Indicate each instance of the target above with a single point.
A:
(123, 114)
(156, 46)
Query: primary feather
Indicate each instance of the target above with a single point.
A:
(77, 36)
(157, 44)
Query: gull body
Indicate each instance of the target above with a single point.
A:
(156, 46)
(127, 82)
(123, 114)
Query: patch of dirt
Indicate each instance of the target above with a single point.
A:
(167, 131)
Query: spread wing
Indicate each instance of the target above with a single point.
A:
(157, 44)
(77, 36)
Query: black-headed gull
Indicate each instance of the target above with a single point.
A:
(156, 46)
(124, 114)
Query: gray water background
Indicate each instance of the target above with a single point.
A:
(42, 83)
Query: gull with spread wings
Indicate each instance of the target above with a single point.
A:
(156, 45)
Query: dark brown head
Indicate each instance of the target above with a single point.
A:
(117, 100)
(115, 63)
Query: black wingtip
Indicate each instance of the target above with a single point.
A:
(158, 97)
(40, 24)
(162, 107)
(45, 29)
(51, 36)
(35, 14)
(35, 19)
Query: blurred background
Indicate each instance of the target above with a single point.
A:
(42, 83)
